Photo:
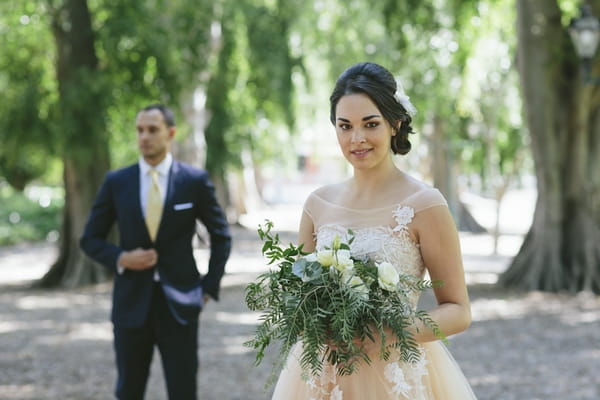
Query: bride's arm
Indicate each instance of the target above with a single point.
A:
(305, 233)
(437, 236)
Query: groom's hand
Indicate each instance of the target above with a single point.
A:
(138, 259)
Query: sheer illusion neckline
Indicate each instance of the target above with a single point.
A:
(370, 209)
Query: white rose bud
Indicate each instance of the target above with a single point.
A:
(388, 277)
(343, 260)
(336, 242)
(325, 257)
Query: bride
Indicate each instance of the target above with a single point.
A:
(395, 218)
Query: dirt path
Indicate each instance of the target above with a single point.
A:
(521, 346)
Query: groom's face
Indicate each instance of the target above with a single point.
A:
(154, 136)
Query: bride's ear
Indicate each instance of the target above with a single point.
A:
(396, 129)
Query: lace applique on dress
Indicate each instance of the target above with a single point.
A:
(403, 216)
(407, 378)
(395, 375)
(320, 385)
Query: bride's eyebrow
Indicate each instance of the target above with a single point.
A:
(368, 117)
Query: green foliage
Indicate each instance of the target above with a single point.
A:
(270, 76)
(494, 140)
(430, 51)
(152, 51)
(267, 67)
(347, 32)
(333, 303)
(28, 92)
(145, 51)
(221, 105)
(251, 81)
(25, 219)
(460, 68)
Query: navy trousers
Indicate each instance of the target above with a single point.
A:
(178, 347)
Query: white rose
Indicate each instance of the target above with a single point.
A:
(343, 261)
(325, 257)
(387, 276)
(359, 286)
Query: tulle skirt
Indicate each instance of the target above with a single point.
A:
(436, 376)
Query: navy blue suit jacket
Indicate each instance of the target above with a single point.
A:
(190, 197)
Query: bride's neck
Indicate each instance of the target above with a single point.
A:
(375, 181)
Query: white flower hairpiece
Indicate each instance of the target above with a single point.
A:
(404, 100)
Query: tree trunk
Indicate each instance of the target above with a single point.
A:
(560, 252)
(85, 146)
(444, 175)
(445, 178)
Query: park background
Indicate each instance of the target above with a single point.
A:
(508, 129)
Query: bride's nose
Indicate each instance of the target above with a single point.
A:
(358, 136)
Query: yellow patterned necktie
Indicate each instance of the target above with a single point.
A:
(154, 205)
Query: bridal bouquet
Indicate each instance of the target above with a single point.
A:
(332, 301)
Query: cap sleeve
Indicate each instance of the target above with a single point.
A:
(312, 206)
(425, 198)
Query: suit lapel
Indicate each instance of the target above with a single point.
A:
(169, 198)
(135, 178)
(136, 198)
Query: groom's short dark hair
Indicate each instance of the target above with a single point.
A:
(165, 111)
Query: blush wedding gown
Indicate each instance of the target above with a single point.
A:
(381, 234)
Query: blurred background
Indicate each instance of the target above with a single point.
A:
(507, 122)
(508, 126)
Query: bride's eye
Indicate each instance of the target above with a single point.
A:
(344, 127)
(372, 124)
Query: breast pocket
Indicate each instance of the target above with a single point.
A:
(182, 215)
(183, 206)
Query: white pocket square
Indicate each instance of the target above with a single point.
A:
(183, 206)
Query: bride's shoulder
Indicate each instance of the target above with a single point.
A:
(322, 199)
(327, 193)
(420, 195)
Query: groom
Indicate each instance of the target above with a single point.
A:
(158, 292)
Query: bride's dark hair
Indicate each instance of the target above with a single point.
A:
(379, 84)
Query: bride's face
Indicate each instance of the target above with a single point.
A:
(363, 133)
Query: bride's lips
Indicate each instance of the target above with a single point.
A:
(360, 152)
